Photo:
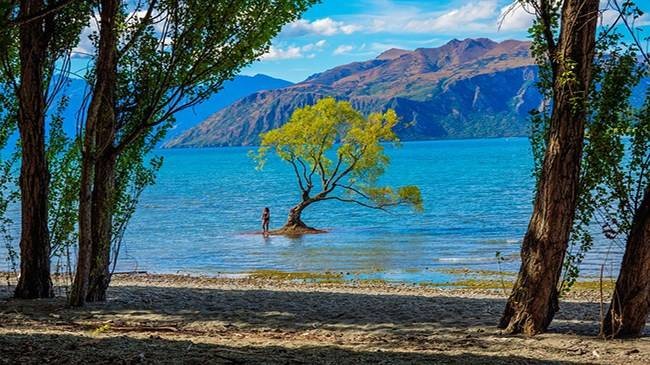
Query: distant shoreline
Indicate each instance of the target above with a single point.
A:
(162, 148)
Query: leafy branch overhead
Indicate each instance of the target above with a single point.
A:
(337, 154)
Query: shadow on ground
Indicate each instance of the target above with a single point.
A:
(296, 310)
(38, 349)
(149, 324)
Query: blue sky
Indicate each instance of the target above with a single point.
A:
(337, 32)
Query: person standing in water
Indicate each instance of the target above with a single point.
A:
(266, 218)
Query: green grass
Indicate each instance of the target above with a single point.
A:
(305, 276)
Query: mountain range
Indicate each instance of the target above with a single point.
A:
(463, 89)
(232, 90)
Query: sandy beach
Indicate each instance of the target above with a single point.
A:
(171, 319)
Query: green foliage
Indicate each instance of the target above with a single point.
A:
(313, 132)
(615, 165)
(63, 157)
(614, 171)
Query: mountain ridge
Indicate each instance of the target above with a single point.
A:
(464, 88)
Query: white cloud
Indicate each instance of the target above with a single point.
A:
(275, 53)
(85, 47)
(516, 17)
(292, 52)
(314, 46)
(323, 27)
(343, 49)
(467, 16)
(482, 16)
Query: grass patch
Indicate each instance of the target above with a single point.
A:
(305, 276)
(470, 272)
(587, 285)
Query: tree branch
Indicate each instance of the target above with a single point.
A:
(378, 207)
(40, 14)
(295, 169)
(355, 190)
(143, 25)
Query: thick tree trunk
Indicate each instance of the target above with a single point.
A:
(294, 224)
(630, 304)
(294, 220)
(102, 209)
(94, 146)
(534, 299)
(35, 280)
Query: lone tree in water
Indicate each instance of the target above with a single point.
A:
(351, 175)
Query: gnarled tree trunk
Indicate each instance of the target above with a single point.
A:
(294, 224)
(534, 299)
(294, 220)
(630, 304)
(35, 280)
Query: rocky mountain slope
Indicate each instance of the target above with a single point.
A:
(463, 89)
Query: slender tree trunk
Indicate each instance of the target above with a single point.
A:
(94, 146)
(534, 299)
(630, 304)
(102, 209)
(80, 285)
(35, 280)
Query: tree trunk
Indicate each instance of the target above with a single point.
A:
(102, 209)
(294, 220)
(80, 285)
(294, 224)
(94, 146)
(534, 299)
(630, 304)
(35, 280)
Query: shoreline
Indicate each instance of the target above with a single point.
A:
(269, 320)
(463, 280)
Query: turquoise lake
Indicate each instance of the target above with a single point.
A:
(203, 212)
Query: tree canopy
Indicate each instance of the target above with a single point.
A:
(337, 154)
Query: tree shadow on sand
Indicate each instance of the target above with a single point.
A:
(295, 310)
(406, 328)
(69, 349)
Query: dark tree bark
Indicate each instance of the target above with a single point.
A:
(630, 304)
(294, 224)
(95, 147)
(294, 219)
(35, 280)
(534, 299)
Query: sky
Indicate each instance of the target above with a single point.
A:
(336, 32)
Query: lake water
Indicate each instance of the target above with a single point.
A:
(201, 216)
